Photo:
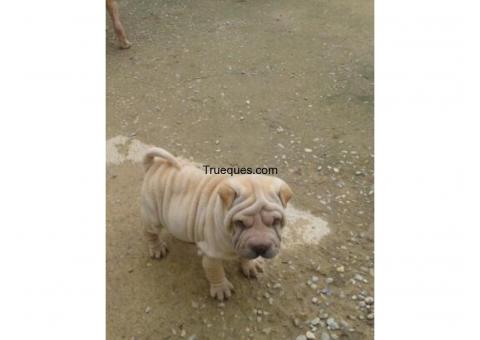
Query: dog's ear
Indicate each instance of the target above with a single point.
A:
(227, 194)
(285, 193)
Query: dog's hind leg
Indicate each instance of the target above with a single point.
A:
(157, 247)
(112, 7)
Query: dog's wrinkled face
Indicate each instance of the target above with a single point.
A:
(256, 214)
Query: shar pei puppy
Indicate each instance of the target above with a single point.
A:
(228, 217)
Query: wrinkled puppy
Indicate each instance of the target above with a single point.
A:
(239, 217)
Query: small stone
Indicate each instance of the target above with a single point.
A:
(183, 333)
(277, 286)
(340, 269)
(336, 170)
(329, 280)
(192, 337)
(315, 322)
(247, 101)
(332, 324)
(369, 300)
(130, 270)
(217, 142)
(314, 278)
(308, 150)
(354, 297)
(362, 304)
(324, 316)
(359, 277)
(279, 129)
(319, 167)
(267, 330)
(301, 337)
(242, 117)
(314, 300)
(370, 316)
(148, 309)
(324, 336)
(310, 335)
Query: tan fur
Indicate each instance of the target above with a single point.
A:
(112, 7)
(239, 217)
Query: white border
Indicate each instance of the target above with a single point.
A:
(427, 169)
(52, 177)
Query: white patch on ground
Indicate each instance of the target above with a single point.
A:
(121, 149)
(302, 226)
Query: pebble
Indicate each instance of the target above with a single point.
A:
(242, 117)
(324, 336)
(147, 310)
(267, 330)
(315, 322)
(332, 324)
(277, 286)
(329, 280)
(319, 168)
(369, 300)
(340, 269)
(370, 316)
(314, 300)
(310, 335)
(314, 278)
(183, 333)
(192, 337)
(308, 150)
(324, 316)
(301, 337)
(336, 170)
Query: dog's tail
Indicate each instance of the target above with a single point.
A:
(161, 153)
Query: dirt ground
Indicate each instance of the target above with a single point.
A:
(285, 84)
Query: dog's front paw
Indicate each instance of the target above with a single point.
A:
(251, 268)
(222, 290)
(158, 249)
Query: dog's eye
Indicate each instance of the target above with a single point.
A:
(240, 224)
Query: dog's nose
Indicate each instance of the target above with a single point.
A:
(260, 249)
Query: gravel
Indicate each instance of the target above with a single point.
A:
(369, 300)
(315, 322)
(332, 324)
(324, 336)
(310, 335)
(301, 337)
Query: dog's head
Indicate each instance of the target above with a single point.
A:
(255, 213)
